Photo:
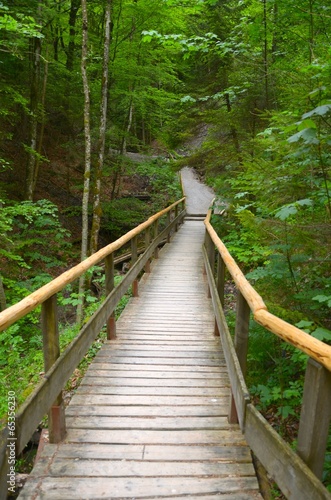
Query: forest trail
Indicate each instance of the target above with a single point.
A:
(149, 419)
(198, 195)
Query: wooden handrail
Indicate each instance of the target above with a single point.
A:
(315, 348)
(26, 305)
(298, 473)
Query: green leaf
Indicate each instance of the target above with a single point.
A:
(323, 298)
(319, 111)
(286, 212)
(322, 334)
(308, 135)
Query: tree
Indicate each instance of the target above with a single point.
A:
(102, 132)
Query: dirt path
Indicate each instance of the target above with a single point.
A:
(198, 195)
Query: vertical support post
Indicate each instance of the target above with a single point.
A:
(51, 349)
(147, 243)
(168, 224)
(241, 344)
(210, 248)
(176, 215)
(110, 285)
(156, 232)
(315, 417)
(220, 282)
(134, 257)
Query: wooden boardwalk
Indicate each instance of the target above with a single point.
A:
(150, 417)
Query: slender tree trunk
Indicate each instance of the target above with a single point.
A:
(265, 54)
(74, 7)
(87, 172)
(34, 99)
(311, 31)
(41, 135)
(3, 303)
(233, 129)
(128, 128)
(97, 211)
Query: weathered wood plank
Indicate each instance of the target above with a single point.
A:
(197, 392)
(155, 423)
(173, 453)
(56, 488)
(144, 347)
(291, 474)
(142, 436)
(177, 370)
(127, 360)
(103, 377)
(128, 468)
(148, 411)
(104, 399)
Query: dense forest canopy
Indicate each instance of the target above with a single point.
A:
(239, 90)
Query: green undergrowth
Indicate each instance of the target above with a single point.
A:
(21, 356)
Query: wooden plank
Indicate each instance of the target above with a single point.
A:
(165, 349)
(213, 392)
(129, 468)
(103, 399)
(315, 417)
(290, 473)
(156, 423)
(230, 437)
(107, 378)
(155, 368)
(148, 411)
(55, 488)
(173, 453)
(158, 352)
(127, 360)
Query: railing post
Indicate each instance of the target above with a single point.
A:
(51, 348)
(210, 249)
(240, 344)
(147, 243)
(220, 282)
(315, 417)
(134, 257)
(168, 224)
(110, 285)
(176, 215)
(156, 232)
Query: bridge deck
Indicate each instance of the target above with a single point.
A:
(150, 417)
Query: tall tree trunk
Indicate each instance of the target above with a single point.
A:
(41, 135)
(265, 54)
(87, 172)
(128, 128)
(34, 100)
(233, 129)
(72, 33)
(97, 211)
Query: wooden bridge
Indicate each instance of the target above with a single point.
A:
(163, 411)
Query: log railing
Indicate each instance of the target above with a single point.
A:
(47, 396)
(297, 474)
